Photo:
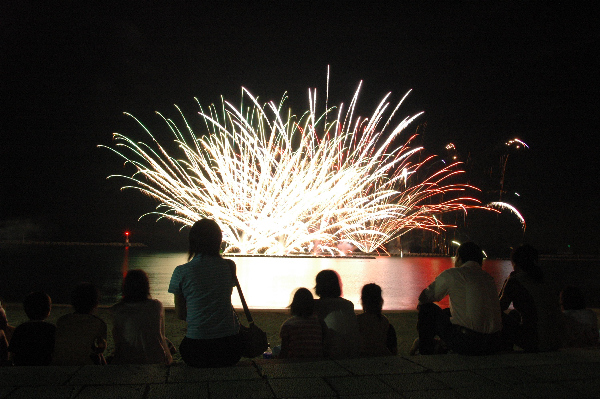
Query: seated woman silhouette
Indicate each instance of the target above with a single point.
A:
(536, 323)
(202, 289)
(342, 339)
(139, 324)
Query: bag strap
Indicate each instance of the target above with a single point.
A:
(239, 289)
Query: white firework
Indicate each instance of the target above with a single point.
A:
(280, 184)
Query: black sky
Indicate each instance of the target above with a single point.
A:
(483, 73)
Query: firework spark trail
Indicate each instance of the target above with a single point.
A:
(504, 205)
(518, 142)
(279, 184)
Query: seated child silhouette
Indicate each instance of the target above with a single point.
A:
(378, 336)
(302, 334)
(80, 336)
(32, 342)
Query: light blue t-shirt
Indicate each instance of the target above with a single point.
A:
(206, 283)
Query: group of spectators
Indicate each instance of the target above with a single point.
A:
(79, 338)
(329, 327)
(526, 315)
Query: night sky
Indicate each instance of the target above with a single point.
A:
(483, 74)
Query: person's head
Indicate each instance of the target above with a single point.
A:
(84, 298)
(136, 286)
(37, 305)
(469, 251)
(205, 238)
(303, 303)
(328, 284)
(371, 298)
(525, 259)
(571, 298)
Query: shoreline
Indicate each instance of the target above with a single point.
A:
(558, 256)
(74, 243)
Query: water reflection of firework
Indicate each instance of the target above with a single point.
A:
(277, 183)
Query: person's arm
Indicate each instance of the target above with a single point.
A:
(176, 290)
(103, 330)
(391, 341)
(163, 333)
(594, 334)
(14, 345)
(233, 269)
(162, 320)
(117, 334)
(3, 348)
(436, 290)
(51, 341)
(285, 342)
(507, 294)
(180, 307)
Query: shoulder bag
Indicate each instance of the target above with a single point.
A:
(253, 340)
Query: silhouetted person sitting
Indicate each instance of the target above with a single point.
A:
(80, 336)
(342, 339)
(302, 334)
(378, 335)
(535, 324)
(139, 324)
(202, 292)
(473, 322)
(32, 343)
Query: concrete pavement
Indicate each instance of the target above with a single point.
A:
(563, 374)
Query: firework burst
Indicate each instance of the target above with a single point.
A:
(280, 184)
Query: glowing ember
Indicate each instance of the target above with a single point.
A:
(279, 184)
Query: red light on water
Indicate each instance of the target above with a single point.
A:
(126, 233)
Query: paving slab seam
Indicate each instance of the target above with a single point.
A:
(66, 382)
(78, 391)
(345, 368)
(257, 368)
(263, 377)
(411, 359)
(330, 385)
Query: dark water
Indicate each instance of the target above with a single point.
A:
(267, 282)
